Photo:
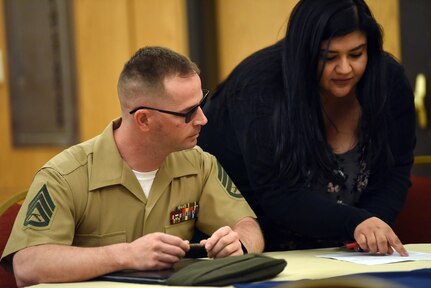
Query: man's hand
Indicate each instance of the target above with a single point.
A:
(157, 251)
(375, 236)
(224, 242)
(63, 263)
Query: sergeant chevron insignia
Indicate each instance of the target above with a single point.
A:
(40, 210)
(227, 182)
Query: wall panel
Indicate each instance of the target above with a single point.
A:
(245, 26)
(17, 165)
(387, 14)
(102, 46)
(160, 23)
(108, 32)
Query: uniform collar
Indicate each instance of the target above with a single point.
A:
(108, 167)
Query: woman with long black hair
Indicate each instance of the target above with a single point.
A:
(318, 130)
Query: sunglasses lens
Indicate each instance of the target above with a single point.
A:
(191, 114)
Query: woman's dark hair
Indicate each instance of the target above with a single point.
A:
(300, 132)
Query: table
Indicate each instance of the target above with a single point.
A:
(302, 264)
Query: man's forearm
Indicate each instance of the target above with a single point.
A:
(61, 263)
(250, 235)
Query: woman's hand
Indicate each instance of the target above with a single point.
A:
(375, 236)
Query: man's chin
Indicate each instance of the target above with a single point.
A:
(190, 144)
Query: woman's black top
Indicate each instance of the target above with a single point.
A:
(299, 216)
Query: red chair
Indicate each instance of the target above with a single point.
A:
(8, 211)
(413, 225)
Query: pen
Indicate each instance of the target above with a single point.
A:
(196, 246)
(354, 246)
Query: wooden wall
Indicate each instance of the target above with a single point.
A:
(108, 32)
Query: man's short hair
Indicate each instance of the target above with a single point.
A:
(145, 72)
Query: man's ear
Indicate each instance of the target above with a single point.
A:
(142, 119)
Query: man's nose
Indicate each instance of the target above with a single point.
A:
(200, 118)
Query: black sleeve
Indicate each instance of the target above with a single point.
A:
(386, 199)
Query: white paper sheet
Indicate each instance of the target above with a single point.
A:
(374, 259)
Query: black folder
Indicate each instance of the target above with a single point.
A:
(147, 277)
(141, 277)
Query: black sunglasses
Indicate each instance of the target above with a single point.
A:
(187, 115)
